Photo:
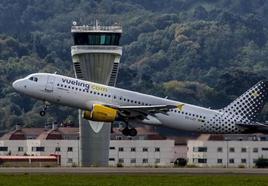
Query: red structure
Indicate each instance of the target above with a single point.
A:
(30, 161)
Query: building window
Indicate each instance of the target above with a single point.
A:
(199, 149)
(70, 149)
(120, 149)
(157, 160)
(195, 149)
(20, 149)
(120, 160)
(112, 148)
(133, 160)
(111, 159)
(264, 149)
(133, 149)
(3, 148)
(231, 161)
(57, 149)
(243, 160)
(202, 160)
(219, 149)
(145, 160)
(69, 160)
(219, 161)
(255, 149)
(231, 149)
(157, 149)
(243, 149)
(144, 149)
(38, 149)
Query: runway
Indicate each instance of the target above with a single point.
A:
(134, 170)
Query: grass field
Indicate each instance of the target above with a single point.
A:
(131, 180)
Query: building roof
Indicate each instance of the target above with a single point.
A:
(23, 133)
(181, 140)
(42, 133)
(143, 132)
(140, 130)
(233, 137)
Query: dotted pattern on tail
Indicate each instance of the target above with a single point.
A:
(242, 110)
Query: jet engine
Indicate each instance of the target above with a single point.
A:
(101, 113)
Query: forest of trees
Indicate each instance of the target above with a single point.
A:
(204, 52)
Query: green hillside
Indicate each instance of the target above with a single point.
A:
(205, 52)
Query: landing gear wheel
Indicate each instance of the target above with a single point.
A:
(129, 132)
(125, 131)
(133, 132)
(42, 113)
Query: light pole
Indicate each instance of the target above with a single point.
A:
(249, 164)
(227, 153)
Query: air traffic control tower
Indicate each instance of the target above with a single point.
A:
(96, 55)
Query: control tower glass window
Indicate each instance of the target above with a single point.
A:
(96, 38)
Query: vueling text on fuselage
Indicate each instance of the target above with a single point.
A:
(76, 82)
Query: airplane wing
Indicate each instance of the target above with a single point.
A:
(141, 112)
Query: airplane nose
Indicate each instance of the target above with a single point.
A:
(15, 85)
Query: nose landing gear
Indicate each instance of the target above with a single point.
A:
(43, 112)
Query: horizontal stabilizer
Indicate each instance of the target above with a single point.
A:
(254, 127)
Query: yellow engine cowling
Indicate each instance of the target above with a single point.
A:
(101, 113)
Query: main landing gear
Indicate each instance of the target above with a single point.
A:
(43, 112)
(129, 131)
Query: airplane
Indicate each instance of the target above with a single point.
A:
(103, 103)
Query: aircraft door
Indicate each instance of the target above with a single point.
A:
(50, 83)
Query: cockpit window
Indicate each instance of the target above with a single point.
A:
(32, 78)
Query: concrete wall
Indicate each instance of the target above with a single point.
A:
(226, 153)
(141, 152)
(159, 152)
(68, 149)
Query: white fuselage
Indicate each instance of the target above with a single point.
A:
(83, 94)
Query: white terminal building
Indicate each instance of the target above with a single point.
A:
(148, 148)
(227, 151)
